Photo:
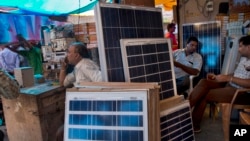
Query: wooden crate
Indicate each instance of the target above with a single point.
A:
(36, 114)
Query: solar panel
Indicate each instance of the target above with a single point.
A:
(209, 35)
(176, 123)
(232, 56)
(149, 60)
(107, 116)
(115, 22)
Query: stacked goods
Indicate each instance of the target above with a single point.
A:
(237, 6)
(233, 17)
(86, 33)
(247, 16)
(224, 21)
(81, 32)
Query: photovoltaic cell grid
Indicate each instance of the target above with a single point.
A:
(115, 22)
(209, 35)
(106, 116)
(176, 123)
(149, 60)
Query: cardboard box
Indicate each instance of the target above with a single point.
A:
(24, 76)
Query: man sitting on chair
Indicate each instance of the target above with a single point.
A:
(221, 88)
(187, 62)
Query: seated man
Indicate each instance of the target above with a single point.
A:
(221, 88)
(187, 62)
(84, 70)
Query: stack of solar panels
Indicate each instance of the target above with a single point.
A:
(132, 48)
(176, 120)
(117, 22)
(112, 111)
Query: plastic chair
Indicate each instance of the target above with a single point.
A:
(191, 84)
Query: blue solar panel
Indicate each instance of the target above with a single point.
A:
(107, 116)
(148, 60)
(115, 22)
(209, 35)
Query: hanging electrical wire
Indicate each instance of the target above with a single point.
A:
(78, 22)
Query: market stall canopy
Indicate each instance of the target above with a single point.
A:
(46, 7)
(167, 4)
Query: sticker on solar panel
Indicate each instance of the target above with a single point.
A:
(106, 116)
(149, 60)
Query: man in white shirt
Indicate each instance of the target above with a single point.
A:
(9, 60)
(85, 70)
(187, 62)
(221, 88)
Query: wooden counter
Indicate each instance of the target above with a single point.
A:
(36, 114)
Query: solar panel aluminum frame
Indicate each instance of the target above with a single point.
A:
(100, 34)
(92, 95)
(145, 41)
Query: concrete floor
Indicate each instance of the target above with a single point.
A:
(211, 129)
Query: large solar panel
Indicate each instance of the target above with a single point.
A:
(209, 35)
(149, 60)
(106, 116)
(176, 123)
(115, 22)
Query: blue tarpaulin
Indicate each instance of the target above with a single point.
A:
(46, 7)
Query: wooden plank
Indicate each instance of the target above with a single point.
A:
(170, 102)
(118, 85)
(154, 115)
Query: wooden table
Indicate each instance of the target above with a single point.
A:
(36, 114)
